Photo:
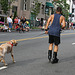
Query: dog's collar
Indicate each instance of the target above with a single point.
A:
(11, 44)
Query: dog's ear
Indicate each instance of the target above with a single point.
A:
(12, 41)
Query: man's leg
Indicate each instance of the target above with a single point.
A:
(55, 60)
(51, 46)
(56, 48)
(9, 29)
(50, 51)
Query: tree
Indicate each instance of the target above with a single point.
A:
(64, 6)
(5, 5)
(35, 9)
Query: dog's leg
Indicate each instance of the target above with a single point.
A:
(12, 57)
(0, 59)
(3, 61)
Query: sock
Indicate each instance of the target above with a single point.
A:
(55, 55)
(49, 54)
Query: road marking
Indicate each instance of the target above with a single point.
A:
(35, 38)
(68, 34)
(73, 43)
(4, 67)
(26, 39)
(32, 38)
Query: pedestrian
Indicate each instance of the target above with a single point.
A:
(54, 33)
(9, 21)
(24, 20)
(18, 20)
(27, 26)
(15, 22)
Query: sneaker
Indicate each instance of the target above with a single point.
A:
(9, 30)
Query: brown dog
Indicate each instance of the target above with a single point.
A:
(7, 48)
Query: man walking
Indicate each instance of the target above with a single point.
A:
(54, 33)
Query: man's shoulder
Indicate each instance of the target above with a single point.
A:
(52, 16)
(62, 16)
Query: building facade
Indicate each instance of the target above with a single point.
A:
(49, 8)
(23, 8)
(72, 9)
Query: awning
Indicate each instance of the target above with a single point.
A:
(70, 13)
(48, 4)
(3, 15)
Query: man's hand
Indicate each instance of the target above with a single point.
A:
(46, 32)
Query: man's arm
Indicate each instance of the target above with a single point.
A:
(46, 29)
(48, 22)
(63, 22)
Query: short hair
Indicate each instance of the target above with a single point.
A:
(59, 9)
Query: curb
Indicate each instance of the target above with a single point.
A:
(35, 29)
(30, 30)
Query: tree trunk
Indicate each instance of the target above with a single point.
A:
(34, 22)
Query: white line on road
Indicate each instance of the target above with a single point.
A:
(73, 43)
(4, 67)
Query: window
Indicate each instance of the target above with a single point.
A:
(16, 0)
(72, 10)
(0, 12)
(25, 4)
(14, 8)
(43, 9)
(25, 0)
(25, 7)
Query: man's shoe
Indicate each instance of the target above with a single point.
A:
(54, 61)
(10, 31)
(49, 58)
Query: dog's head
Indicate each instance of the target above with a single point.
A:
(14, 42)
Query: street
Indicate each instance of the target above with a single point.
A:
(31, 54)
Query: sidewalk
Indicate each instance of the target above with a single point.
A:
(35, 29)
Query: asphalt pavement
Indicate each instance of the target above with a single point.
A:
(31, 54)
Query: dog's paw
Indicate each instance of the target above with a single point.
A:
(6, 64)
(1, 61)
(14, 61)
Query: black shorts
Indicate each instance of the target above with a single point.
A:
(54, 39)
